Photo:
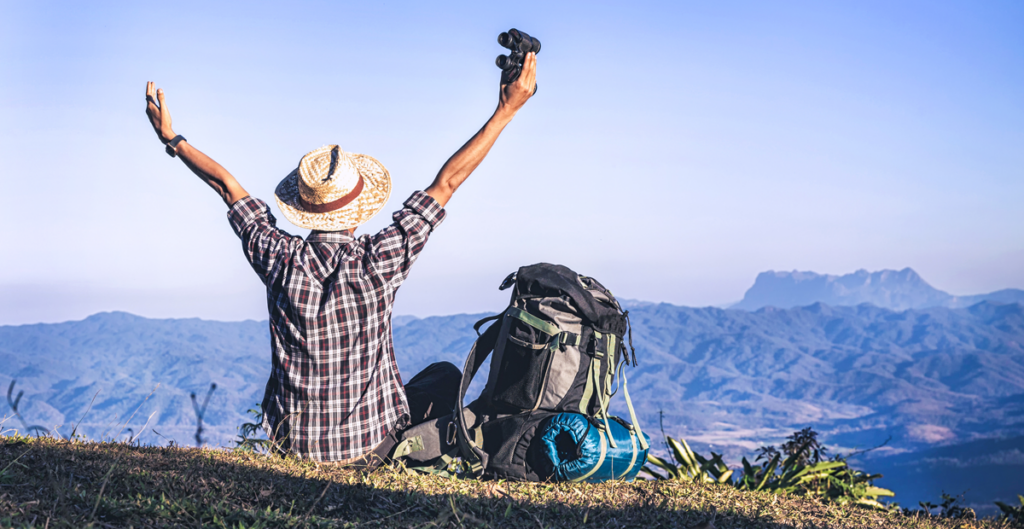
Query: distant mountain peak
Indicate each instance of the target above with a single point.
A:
(892, 289)
(113, 315)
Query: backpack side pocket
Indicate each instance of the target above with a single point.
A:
(522, 372)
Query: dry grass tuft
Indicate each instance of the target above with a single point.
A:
(54, 483)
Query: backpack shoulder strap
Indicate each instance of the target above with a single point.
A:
(471, 453)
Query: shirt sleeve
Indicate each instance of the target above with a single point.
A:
(262, 241)
(396, 247)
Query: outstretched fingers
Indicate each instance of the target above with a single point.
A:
(157, 111)
(151, 105)
(530, 71)
(165, 113)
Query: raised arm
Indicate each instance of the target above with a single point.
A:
(465, 160)
(202, 165)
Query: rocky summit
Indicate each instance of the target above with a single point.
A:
(891, 289)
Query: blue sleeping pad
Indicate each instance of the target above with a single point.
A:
(606, 453)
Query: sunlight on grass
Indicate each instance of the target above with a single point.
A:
(46, 482)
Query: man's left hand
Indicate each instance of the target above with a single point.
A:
(159, 115)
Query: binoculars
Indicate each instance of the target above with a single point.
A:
(519, 44)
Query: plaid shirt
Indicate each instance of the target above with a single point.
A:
(334, 390)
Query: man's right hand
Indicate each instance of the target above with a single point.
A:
(465, 160)
(514, 96)
(159, 115)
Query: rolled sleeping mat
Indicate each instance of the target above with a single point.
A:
(571, 447)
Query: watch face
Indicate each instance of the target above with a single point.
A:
(173, 145)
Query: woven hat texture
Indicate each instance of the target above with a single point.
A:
(327, 175)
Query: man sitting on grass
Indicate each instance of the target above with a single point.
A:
(335, 393)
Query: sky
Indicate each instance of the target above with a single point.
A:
(674, 149)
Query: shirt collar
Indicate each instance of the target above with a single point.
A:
(329, 236)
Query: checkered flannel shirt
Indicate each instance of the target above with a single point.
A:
(334, 390)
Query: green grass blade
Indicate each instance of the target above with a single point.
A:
(878, 491)
(768, 473)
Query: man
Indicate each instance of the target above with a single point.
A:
(334, 392)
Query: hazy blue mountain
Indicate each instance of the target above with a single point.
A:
(724, 377)
(728, 379)
(891, 289)
(120, 358)
(1007, 295)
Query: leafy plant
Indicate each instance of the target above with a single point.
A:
(276, 444)
(248, 432)
(690, 465)
(1012, 513)
(949, 508)
(803, 444)
(804, 472)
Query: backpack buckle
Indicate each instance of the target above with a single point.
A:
(563, 339)
(449, 437)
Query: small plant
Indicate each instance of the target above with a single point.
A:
(803, 444)
(1012, 513)
(804, 472)
(247, 434)
(276, 444)
(13, 403)
(690, 465)
(949, 508)
(200, 411)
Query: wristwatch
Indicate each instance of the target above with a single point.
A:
(172, 146)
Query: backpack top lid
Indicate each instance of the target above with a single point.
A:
(551, 280)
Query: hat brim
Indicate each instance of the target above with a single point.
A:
(373, 198)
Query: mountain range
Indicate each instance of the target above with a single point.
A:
(891, 289)
(726, 380)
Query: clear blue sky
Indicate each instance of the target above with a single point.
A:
(674, 150)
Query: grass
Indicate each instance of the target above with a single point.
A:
(47, 482)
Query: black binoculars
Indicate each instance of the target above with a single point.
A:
(519, 44)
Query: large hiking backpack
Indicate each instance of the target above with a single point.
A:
(556, 353)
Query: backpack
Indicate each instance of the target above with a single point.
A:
(556, 351)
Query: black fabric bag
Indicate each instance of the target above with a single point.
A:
(433, 392)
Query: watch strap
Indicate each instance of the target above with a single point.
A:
(172, 146)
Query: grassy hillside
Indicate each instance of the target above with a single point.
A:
(53, 483)
(727, 380)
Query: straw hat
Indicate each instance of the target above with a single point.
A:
(333, 190)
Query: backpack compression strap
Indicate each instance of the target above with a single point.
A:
(471, 453)
(632, 412)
